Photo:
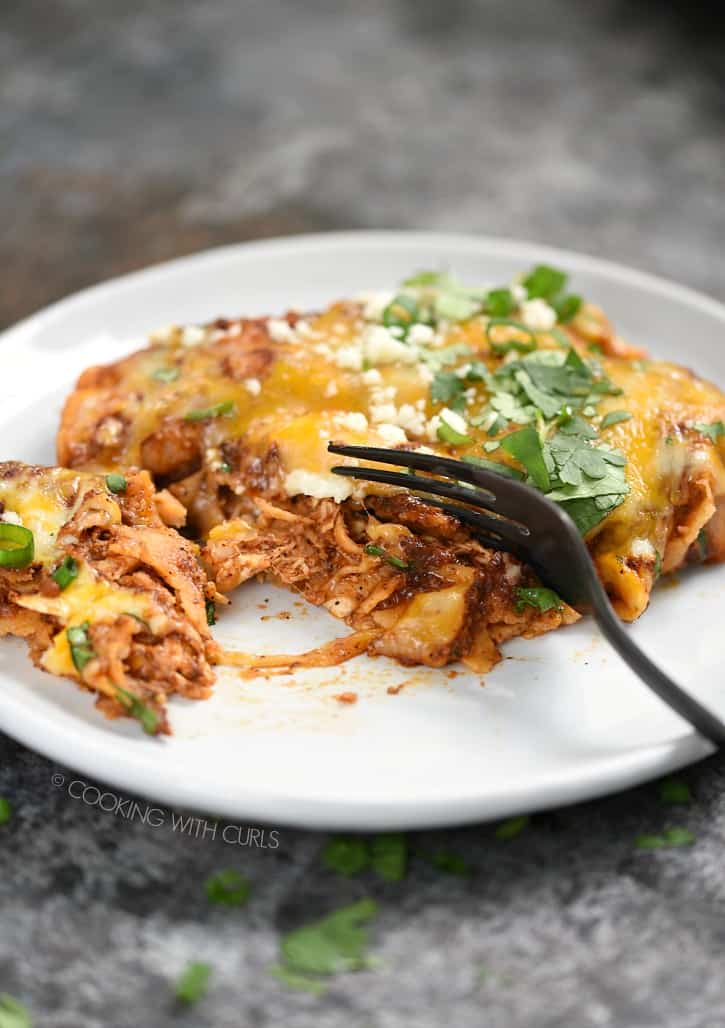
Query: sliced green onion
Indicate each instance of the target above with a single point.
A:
(147, 717)
(401, 312)
(614, 418)
(116, 483)
(17, 546)
(81, 649)
(66, 572)
(503, 346)
(217, 411)
(166, 374)
(378, 551)
(210, 612)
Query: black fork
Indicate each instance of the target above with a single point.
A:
(508, 515)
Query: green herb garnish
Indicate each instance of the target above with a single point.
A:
(538, 597)
(210, 612)
(116, 483)
(492, 465)
(499, 303)
(135, 707)
(703, 545)
(448, 388)
(515, 825)
(451, 863)
(670, 837)
(401, 313)
(525, 345)
(348, 855)
(81, 649)
(713, 431)
(614, 418)
(65, 573)
(166, 374)
(218, 410)
(6, 811)
(378, 551)
(298, 981)
(12, 1013)
(194, 983)
(544, 282)
(336, 943)
(447, 434)
(525, 447)
(390, 856)
(567, 307)
(228, 887)
(674, 791)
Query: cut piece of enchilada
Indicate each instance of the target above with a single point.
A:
(102, 590)
(234, 419)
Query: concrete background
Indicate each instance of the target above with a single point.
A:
(136, 132)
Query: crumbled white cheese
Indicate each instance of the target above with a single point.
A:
(512, 572)
(192, 335)
(426, 375)
(519, 293)
(383, 348)
(382, 412)
(432, 426)
(454, 420)
(538, 315)
(372, 377)
(323, 349)
(391, 435)
(281, 331)
(642, 548)
(374, 303)
(303, 328)
(11, 518)
(355, 421)
(309, 483)
(253, 386)
(331, 388)
(411, 419)
(420, 335)
(349, 357)
(462, 371)
(164, 334)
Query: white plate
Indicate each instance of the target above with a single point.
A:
(561, 719)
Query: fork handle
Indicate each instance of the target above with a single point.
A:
(707, 724)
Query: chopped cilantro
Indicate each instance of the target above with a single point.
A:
(567, 307)
(499, 303)
(713, 431)
(507, 341)
(378, 551)
(166, 374)
(147, 717)
(6, 811)
(12, 1013)
(298, 981)
(544, 282)
(390, 856)
(448, 388)
(116, 483)
(538, 597)
(451, 300)
(218, 410)
(451, 863)
(65, 573)
(614, 418)
(194, 983)
(348, 855)
(670, 837)
(514, 825)
(673, 791)
(525, 447)
(227, 887)
(336, 943)
(210, 607)
(447, 434)
(492, 465)
(657, 570)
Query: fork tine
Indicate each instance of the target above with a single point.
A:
(511, 531)
(504, 495)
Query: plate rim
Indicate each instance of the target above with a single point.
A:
(618, 771)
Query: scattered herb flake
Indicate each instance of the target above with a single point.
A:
(525, 447)
(116, 483)
(668, 838)
(6, 811)
(81, 649)
(65, 573)
(401, 312)
(448, 388)
(210, 612)
(499, 303)
(194, 983)
(567, 307)
(505, 342)
(218, 410)
(166, 374)
(514, 825)
(713, 431)
(145, 715)
(336, 943)
(675, 791)
(390, 856)
(539, 597)
(544, 282)
(614, 418)
(12, 1013)
(451, 863)
(298, 981)
(228, 887)
(378, 551)
(348, 855)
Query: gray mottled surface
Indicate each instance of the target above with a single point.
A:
(130, 136)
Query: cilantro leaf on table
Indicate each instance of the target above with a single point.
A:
(336, 943)
(346, 854)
